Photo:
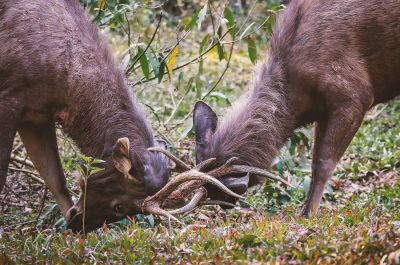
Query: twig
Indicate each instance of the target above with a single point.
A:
(42, 201)
(11, 190)
(18, 224)
(31, 174)
(248, 34)
(177, 105)
(215, 85)
(129, 36)
(212, 19)
(21, 160)
(248, 16)
(228, 64)
(19, 145)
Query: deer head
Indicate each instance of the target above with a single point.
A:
(118, 191)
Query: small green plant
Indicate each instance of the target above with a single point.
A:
(88, 167)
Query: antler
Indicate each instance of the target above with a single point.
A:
(180, 166)
(191, 181)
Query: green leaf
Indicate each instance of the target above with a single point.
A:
(161, 70)
(193, 21)
(187, 130)
(252, 50)
(246, 30)
(228, 15)
(155, 64)
(221, 51)
(220, 95)
(203, 43)
(269, 25)
(202, 16)
(144, 64)
(198, 84)
(95, 170)
(180, 79)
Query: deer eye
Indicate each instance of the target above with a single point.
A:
(119, 209)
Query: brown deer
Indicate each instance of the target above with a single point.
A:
(55, 68)
(328, 63)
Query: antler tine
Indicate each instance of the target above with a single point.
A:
(235, 169)
(222, 170)
(216, 202)
(200, 193)
(188, 176)
(204, 164)
(180, 166)
(155, 209)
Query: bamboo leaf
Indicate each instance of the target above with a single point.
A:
(228, 15)
(155, 64)
(221, 52)
(144, 64)
(246, 30)
(102, 4)
(172, 60)
(252, 50)
(193, 21)
(161, 70)
(202, 16)
(203, 43)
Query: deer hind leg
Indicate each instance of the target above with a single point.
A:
(41, 144)
(331, 140)
(9, 118)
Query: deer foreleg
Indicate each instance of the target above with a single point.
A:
(41, 144)
(332, 137)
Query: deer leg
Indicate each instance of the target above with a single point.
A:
(331, 140)
(41, 144)
(8, 127)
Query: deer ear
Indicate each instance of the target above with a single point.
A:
(205, 123)
(121, 156)
(162, 143)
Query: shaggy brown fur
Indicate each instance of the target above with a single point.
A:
(329, 62)
(54, 66)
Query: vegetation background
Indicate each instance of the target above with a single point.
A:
(175, 53)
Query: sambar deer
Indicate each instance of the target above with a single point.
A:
(54, 67)
(328, 63)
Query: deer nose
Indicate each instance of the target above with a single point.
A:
(71, 213)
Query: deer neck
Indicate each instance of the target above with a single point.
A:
(258, 125)
(102, 111)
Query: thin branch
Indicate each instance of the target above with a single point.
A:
(129, 36)
(177, 105)
(22, 161)
(247, 17)
(31, 174)
(212, 19)
(187, 63)
(42, 201)
(228, 64)
(148, 45)
(214, 86)
(248, 34)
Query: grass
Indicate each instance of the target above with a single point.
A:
(359, 222)
(366, 228)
